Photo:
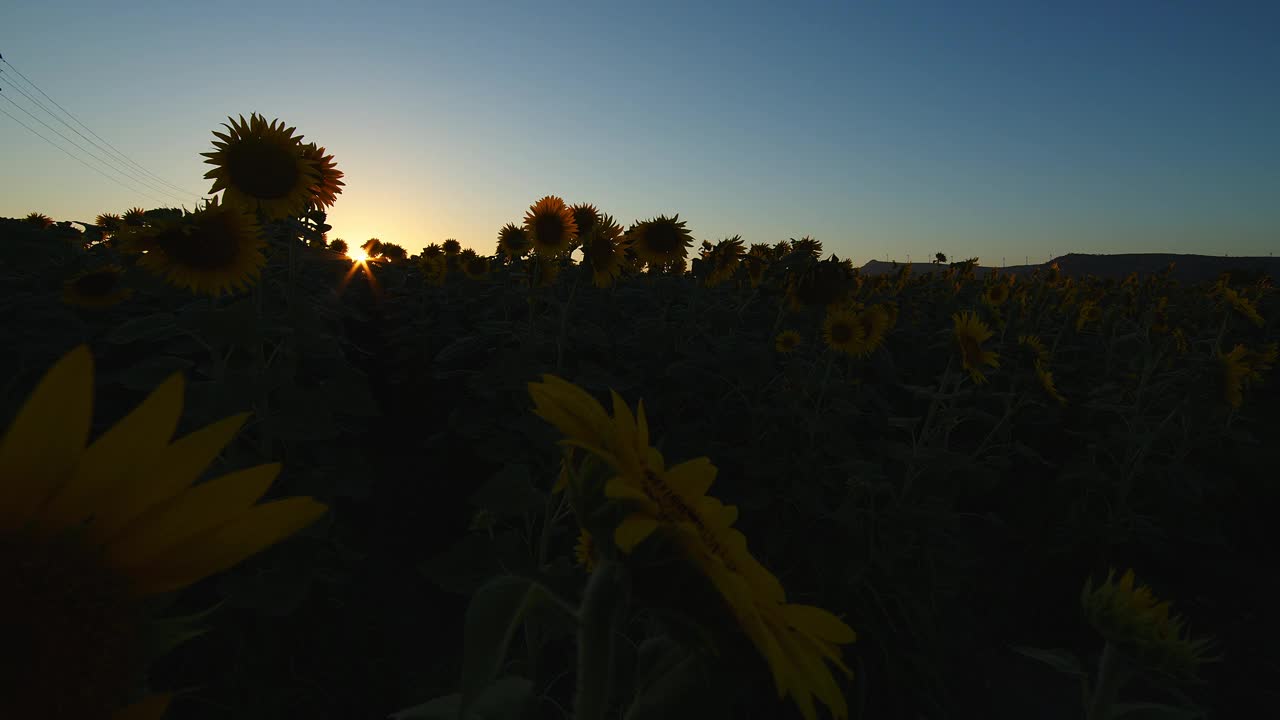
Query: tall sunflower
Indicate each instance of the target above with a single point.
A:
(551, 226)
(605, 251)
(875, 322)
(263, 166)
(474, 266)
(87, 534)
(970, 333)
(585, 216)
(217, 249)
(661, 240)
(451, 246)
(843, 332)
(327, 188)
(40, 220)
(97, 288)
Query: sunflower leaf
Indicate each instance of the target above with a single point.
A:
(147, 327)
(496, 611)
(1064, 661)
(506, 698)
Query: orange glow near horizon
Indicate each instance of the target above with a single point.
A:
(358, 255)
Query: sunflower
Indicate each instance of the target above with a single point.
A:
(807, 246)
(996, 294)
(134, 217)
(970, 333)
(875, 322)
(1046, 382)
(661, 240)
(1242, 306)
(605, 251)
(755, 266)
(40, 220)
(109, 222)
(545, 272)
(1035, 346)
(1089, 312)
(1133, 620)
(787, 341)
(97, 288)
(585, 552)
(585, 216)
(217, 249)
(794, 640)
(264, 167)
(88, 534)
(842, 331)
(820, 285)
(475, 267)
(1236, 374)
(435, 268)
(326, 190)
(551, 226)
(513, 241)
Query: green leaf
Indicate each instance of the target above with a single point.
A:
(1063, 661)
(508, 493)
(496, 611)
(147, 327)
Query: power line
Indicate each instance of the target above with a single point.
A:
(91, 132)
(64, 137)
(73, 157)
(150, 184)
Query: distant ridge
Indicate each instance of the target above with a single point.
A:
(1187, 268)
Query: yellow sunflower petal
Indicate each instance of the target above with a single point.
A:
(152, 707)
(692, 478)
(169, 473)
(571, 409)
(199, 509)
(41, 448)
(255, 530)
(141, 434)
(633, 530)
(818, 623)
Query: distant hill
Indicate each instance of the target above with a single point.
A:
(1187, 268)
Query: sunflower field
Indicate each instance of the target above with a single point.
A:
(249, 471)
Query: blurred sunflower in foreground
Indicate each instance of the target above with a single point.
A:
(87, 534)
(214, 250)
(265, 167)
(672, 502)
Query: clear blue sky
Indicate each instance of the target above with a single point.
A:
(883, 129)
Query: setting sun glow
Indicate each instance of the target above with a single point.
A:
(358, 255)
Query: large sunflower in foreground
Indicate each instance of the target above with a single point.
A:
(970, 333)
(551, 226)
(661, 241)
(794, 640)
(97, 288)
(216, 249)
(605, 251)
(843, 332)
(263, 166)
(88, 533)
(326, 190)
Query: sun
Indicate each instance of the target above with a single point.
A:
(358, 255)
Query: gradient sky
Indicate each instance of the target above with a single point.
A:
(884, 129)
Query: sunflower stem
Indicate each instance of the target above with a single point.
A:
(564, 322)
(600, 621)
(1107, 688)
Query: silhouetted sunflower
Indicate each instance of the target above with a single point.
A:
(551, 226)
(432, 250)
(216, 249)
(513, 241)
(109, 222)
(97, 288)
(820, 285)
(806, 246)
(875, 323)
(451, 247)
(40, 220)
(842, 331)
(605, 251)
(262, 166)
(326, 190)
(585, 216)
(660, 241)
(474, 266)
(89, 534)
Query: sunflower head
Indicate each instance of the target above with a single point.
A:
(431, 251)
(585, 216)
(551, 226)
(135, 217)
(1033, 348)
(40, 220)
(970, 333)
(217, 249)
(97, 288)
(843, 332)
(820, 285)
(787, 341)
(109, 222)
(329, 185)
(265, 167)
(1130, 617)
(451, 247)
(806, 246)
(605, 251)
(875, 322)
(660, 241)
(474, 266)
(435, 268)
(996, 294)
(513, 241)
